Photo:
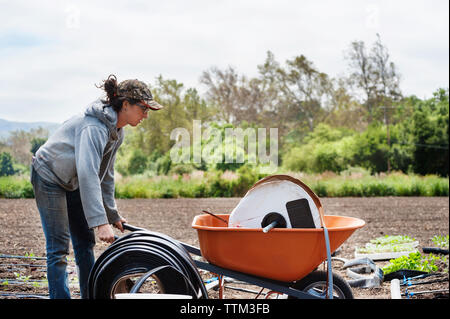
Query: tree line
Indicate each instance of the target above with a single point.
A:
(359, 119)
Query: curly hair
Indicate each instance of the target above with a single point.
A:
(112, 99)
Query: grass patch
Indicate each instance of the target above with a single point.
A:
(235, 184)
(395, 184)
(16, 187)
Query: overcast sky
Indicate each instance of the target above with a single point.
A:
(53, 52)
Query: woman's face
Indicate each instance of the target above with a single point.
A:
(133, 114)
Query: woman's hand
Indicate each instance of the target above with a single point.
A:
(119, 225)
(105, 233)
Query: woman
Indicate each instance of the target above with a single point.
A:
(73, 179)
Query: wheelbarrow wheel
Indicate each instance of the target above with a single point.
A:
(316, 284)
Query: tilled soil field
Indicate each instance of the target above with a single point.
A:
(21, 235)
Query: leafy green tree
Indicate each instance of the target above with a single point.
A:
(137, 162)
(36, 143)
(401, 151)
(324, 149)
(6, 164)
(430, 122)
(163, 164)
(371, 149)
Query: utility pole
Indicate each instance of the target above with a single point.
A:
(386, 122)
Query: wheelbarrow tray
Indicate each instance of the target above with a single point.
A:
(281, 254)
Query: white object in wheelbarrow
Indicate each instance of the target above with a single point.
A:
(274, 196)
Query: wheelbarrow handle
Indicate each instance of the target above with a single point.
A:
(130, 227)
(189, 248)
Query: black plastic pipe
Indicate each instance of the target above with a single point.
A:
(146, 253)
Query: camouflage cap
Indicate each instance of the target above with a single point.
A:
(138, 90)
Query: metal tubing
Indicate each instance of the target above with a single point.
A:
(279, 286)
(330, 273)
(270, 226)
(22, 257)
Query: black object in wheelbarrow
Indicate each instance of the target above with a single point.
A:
(300, 214)
(141, 252)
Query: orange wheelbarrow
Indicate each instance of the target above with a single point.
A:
(282, 255)
(282, 260)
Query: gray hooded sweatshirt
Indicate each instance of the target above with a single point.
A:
(81, 154)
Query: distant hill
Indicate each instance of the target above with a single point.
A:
(8, 126)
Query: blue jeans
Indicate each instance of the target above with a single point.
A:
(62, 218)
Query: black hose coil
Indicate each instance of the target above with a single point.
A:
(145, 253)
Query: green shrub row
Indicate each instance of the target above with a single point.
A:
(380, 188)
(214, 184)
(210, 185)
(16, 187)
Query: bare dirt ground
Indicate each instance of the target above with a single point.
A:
(21, 234)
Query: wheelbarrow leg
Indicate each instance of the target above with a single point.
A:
(282, 287)
(221, 287)
(330, 273)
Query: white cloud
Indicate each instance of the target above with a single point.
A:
(62, 48)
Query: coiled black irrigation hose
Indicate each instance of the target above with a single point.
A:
(143, 253)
